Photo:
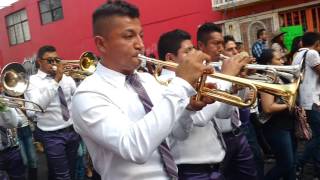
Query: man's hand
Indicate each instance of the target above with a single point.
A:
(192, 67)
(233, 65)
(59, 72)
(196, 105)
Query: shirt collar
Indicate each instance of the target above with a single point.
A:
(113, 77)
(42, 74)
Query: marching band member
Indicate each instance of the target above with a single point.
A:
(10, 156)
(203, 161)
(125, 116)
(52, 90)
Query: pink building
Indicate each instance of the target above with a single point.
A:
(66, 24)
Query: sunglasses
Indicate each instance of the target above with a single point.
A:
(52, 60)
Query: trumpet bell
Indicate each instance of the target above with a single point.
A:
(14, 79)
(88, 62)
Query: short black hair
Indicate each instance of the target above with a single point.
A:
(260, 32)
(112, 8)
(228, 38)
(44, 49)
(205, 30)
(310, 38)
(170, 42)
(266, 56)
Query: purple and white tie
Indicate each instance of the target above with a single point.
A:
(168, 161)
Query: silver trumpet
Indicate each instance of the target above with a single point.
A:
(15, 81)
(289, 72)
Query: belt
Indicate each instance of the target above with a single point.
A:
(199, 167)
(64, 130)
(233, 133)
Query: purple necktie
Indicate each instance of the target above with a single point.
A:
(63, 105)
(168, 162)
(235, 118)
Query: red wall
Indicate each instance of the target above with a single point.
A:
(73, 34)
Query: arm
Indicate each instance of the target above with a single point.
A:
(97, 116)
(269, 105)
(40, 94)
(8, 118)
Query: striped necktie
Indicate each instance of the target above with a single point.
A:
(63, 105)
(168, 162)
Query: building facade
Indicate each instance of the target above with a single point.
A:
(242, 18)
(66, 24)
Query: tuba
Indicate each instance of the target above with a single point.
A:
(14, 81)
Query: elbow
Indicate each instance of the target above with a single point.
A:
(140, 157)
(267, 110)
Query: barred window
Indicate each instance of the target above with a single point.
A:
(50, 10)
(18, 27)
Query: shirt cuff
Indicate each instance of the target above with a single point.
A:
(182, 88)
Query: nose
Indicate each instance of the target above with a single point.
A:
(139, 44)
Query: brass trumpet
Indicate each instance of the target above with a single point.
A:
(81, 68)
(14, 81)
(288, 91)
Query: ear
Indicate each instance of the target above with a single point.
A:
(169, 57)
(99, 41)
(200, 45)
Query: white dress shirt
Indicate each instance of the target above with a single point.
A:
(201, 145)
(8, 118)
(121, 138)
(43, 90)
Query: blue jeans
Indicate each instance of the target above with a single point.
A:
(81, 162)
(250, 133)
(312, 150)
(28, 150)
(283, 146)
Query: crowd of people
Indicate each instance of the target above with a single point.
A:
(134, 127)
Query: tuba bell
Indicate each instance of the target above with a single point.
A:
(15, 81)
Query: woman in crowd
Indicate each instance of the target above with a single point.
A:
(278, 130)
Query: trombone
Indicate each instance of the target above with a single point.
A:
(288, 91)
(15, 81)
(81, 68)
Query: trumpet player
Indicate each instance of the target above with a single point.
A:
(238, 163)
(52, 90)
(202, 162)
(124, 116)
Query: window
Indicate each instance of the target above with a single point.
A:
(50, 10)
(18, 27)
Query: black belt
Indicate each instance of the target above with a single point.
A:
(233, 133)
(199, 167)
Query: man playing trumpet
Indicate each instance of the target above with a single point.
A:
(52, 90)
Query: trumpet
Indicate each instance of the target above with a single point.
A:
(81, 68)
(15, 81)
(288, 91)
(289, 72)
